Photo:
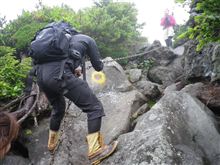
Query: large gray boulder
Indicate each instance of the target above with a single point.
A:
(116, 79)
(207, 93)
(118, 108)
(179, 50)
(166, 75)
(134, 75)
(179, 129)
(162, 56)
(204, 64)
(13, 159)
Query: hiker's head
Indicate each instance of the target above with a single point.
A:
(8, 131)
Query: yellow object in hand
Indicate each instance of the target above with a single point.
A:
(98, 77)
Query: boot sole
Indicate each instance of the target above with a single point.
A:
(96, 162)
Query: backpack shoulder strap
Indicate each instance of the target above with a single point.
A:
(62, 69)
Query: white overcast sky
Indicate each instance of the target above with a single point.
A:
(149, 12)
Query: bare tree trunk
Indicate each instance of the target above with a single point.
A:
(35, 103)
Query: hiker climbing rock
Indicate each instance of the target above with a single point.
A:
(168, 22)
(58, 76)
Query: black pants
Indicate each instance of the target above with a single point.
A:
(75, 89)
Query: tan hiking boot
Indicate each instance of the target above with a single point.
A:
(53, 140)
(97, 150)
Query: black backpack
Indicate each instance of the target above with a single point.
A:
(52, 42)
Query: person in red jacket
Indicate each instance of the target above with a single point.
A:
(168, 22)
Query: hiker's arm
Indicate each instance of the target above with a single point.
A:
(94, 55)
(86, 45)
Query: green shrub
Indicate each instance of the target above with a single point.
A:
(205, 24)
(25, 34)
(146, 64)
(12, 75)
(5, 50)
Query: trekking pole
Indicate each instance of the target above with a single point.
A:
(84, 68)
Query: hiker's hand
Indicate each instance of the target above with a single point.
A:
(78, 71)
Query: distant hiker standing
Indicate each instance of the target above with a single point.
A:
(58, 67)
(168, 22)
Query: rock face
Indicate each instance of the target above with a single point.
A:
(118, 108)
(179, 50)
(179, 129)
(13, 159)
(162, 56)
(166, 75)
(207, 93)
(168, 66)
(116, 79)
(204, 64)
(216, 63)
(165, 65)
(134, 75)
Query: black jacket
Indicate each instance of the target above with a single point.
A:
(85, 45)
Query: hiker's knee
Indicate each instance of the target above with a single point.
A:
(84, 98)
